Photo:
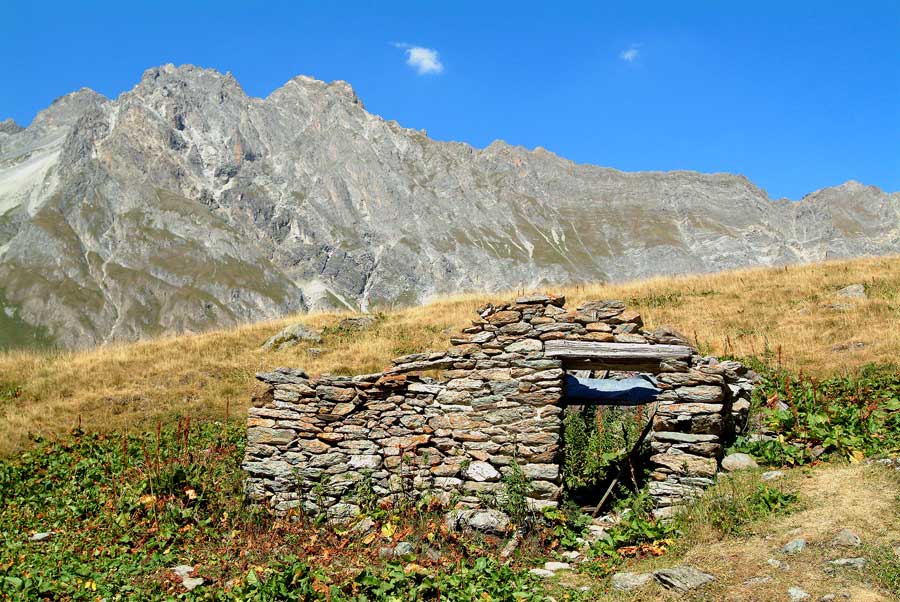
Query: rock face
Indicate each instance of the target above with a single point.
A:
(184, 203)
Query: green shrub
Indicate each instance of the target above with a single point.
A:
(851, 416)
(596, 439)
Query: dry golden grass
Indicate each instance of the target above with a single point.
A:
(750, 312)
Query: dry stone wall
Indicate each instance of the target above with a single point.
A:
(324, 444)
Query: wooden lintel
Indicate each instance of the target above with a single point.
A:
(586, 352)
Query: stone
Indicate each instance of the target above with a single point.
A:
(853, 291)
(735, 462)
(366, 461)
(184, 572)
(547, 472)
(39, 537)
(485, 521)
(846, 539)
(542, 573)
(343, 511)
(797, 594)
(356, 323)
(681, 463)
(795, 546)
(283, 376)
(525, 346)
(482, 471)
(291, 336)
(630, 581)
(557, 566)
(772, 475)
(502, 318)
(532, 299)
(853, 563)
(683, 578)
(404, 548)
(758, 580)
(364, 526)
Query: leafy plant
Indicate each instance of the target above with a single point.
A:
(853, 416)
(596, 439)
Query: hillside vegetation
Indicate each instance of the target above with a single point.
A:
(789, 316)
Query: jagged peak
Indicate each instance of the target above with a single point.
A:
(9, 126)
(192, 75)
(843, 189)
(338, 87)
(66, 109)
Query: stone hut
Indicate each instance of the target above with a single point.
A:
(497, 399)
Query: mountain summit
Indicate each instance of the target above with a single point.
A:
(184, 203)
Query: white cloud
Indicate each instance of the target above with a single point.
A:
(423, 60)
(630, 54)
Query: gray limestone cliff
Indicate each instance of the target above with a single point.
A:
(184, 204)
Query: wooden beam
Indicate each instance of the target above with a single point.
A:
(588, 352)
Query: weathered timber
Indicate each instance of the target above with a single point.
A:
(614, 354)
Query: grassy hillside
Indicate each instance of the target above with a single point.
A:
(783, 314)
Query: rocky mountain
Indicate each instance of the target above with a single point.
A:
(184, 203)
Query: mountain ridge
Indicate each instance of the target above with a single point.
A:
(185, 203)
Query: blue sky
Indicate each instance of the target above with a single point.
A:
(794, 95)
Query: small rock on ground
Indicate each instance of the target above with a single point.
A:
(794, 546)
(796, 594)
(291, 336)
(772, 475)
(541, 573)
(629, 581)
(184, 572)
(556, 566)
(356, 323)
(853, 563)
(846, 539)
(38, 537)
(733, 462)
(683, 578)
(758, 580)
(854, 291)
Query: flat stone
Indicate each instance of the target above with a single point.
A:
(504, 317)
(853, 563)
(525, 346)
(557, 566)
(629, 581)
(772, 475)
(532, 299)
(356, 323)
(542, 573)
(404, 548)
(39, 537)
(734, 462)
(482, 471)
(854, 291)
(796, 594)
(343, 511)
(486, 521)
(369, 461)
(683, 578)
(795, 546)
(846, 539)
